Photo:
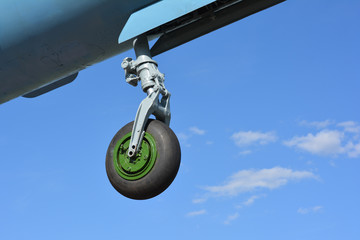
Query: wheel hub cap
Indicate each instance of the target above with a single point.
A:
(138, 166)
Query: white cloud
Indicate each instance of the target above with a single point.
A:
(250, 180)
(309, 210)
(325, 142)
(353, 150)
(247, 138)
(197, 131)
(250, 200)
(317, 124)
(317, 208)
(199, 200)
(350, 126)
(183, 137)
(231, 218)
(196, 213)
(303, 210)
(245, 152)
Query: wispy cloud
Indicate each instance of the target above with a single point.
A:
(231, 218)
(309, 210)
(196, 213)
(186, 136)
(245, 152)
(250, 180)
(250, 200)
(197, 131)
(332, 139)
(353, 150)
(199, 200)
(317, 124)
(248, 138)
(183, 138)
(325, 142)
(350, 126)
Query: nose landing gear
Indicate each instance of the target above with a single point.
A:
(143, 157)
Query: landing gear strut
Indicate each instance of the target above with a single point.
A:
(143, 158)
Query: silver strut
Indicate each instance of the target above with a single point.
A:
(145, 69)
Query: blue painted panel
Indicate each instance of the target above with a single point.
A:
(158, 14)
(21, 19)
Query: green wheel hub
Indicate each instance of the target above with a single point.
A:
(138, 166)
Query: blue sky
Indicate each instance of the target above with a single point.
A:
(266, 111)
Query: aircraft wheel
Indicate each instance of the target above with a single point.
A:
(152, 170)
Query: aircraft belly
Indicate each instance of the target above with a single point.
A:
(44, 41)
(71, 37)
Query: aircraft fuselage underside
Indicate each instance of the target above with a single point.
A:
(58, 38)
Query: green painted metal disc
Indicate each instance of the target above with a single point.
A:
(138, 166)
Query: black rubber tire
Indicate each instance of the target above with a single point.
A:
(163, 172)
